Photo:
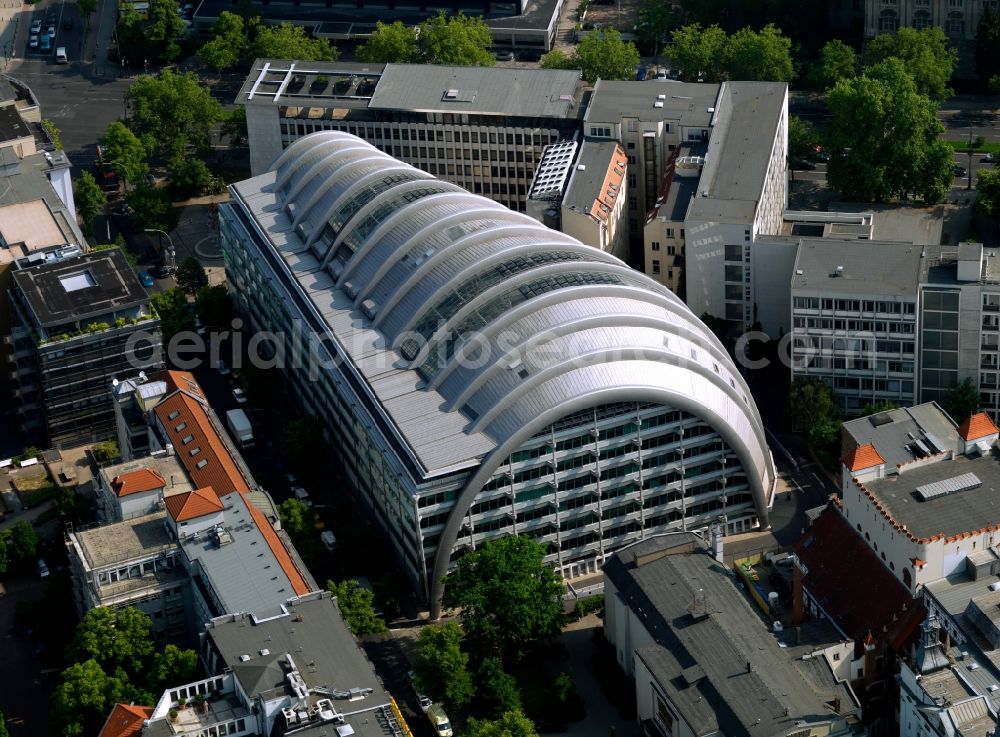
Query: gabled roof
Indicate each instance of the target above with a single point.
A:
(185, 381)
(978, 426)
(854, 587)
(126, 720)
(864, 456)
(192, 504)
(134, 482)
(198, 444)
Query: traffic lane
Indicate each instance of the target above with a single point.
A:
(977, 165)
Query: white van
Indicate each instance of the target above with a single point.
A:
(439, 720)
(61, 57)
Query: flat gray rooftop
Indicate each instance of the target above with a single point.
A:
(168, 466)
(244, 573)
(962, 511)
(543, 93)
(586, 184)
(739, 149)
(703, 662)
(869, 267)
(686, 103)
(918, 225)
(114, 544)
(890, 431)
(267, 76)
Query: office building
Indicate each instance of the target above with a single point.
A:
(480, 127)
(854, 319)
(959, 19)
(484, 375)
(79, 321)
(704, 662)
(593, 207)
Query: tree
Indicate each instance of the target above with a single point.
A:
(925, 54)
(497, 691)
(698, 53)
(802, 137)
(214, 306)
(82, 701)
(884, 138)
(163, 32)
(880, 405)
(286, 41)
(390, 43)
(810, 403)
(228, 42)
(152, 208)
(189, 176)
(961, 401)
(54, 134)
(508, 595)
(115, 639)
(988, 45)
(23, 541)
(191, 275)
(837, 61)
(234, 127)
(174, 110)
(655, 19)
(3, 556)
(559, 59)
(511, 724)
(175, 317)
(356, 606)
(106, 451)
(89, 198)
(124, 152)
(299, 521)
(86, 8)
(988, 193)
(603, 55)
(171, 667)
(3, 723)
(441, 666)
(457, 40)
(759, 56)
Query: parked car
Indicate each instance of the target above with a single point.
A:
(223, 368)
(425, 703)
(803, 165)
(43, 570)
(504, 55)
(36, 25)
(640, 75)
(240, 396)
(61, 57)
(990, 158)
(45, 43)
(145, 279)
(33, 41)
(661, 74)
(530, 54)
(68, 23)
(161, 270)
(959, 171)
(51, 31)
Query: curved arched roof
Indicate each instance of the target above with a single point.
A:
(465, 290)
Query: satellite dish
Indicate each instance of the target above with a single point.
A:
(114, 382)
(142, 376)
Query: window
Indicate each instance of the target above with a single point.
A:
(888, 21)
(670, 232)
(921, 19)
(655, 245)
(671, 250)
(600, 132)
(656, 266)
(956, 23)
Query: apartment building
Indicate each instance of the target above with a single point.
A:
(854, 319)
(593, 206)
(663, 230)
(959, 19)
(386, 286)
(703, 660)
(79, 321)
(479, 127)
(136, 488)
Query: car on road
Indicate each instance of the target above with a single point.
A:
(425, 703)
(803, 165)
(51, 31)
(145, 279)
(640, 74)
(990, 158)
(61, 57)
(959, 171)
(43, 570)
(67, 23)
(223, 368)
(240, 396)
(161, 270)
(45, 43)
(33, 41)
(36, 25)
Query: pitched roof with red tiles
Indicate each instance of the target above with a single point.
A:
(126, 721)
(978, 426)
(864, 456)
(193, 504)
(278, 548)
(133, 482)
(853, 586)
(198, 446)
(183, 380)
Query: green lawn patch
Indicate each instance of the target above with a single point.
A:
(962, 147)
(33, 490)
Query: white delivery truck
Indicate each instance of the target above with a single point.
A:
(239, 426)
(439, 720)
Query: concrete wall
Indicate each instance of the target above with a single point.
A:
(264, 137)
(771, 265)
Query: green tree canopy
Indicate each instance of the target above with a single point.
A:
(234, 127)
(124, 152)
(190, 176)
(988, 45)
(496, 691)
(115, 639)
(170, 667)
(175, 317)
(925, 54)
(191, 275)
(390, 43)
(961, 401)
(4, 561)
(802, 137)
(880, 405)
(837, 61)
(604, 55)
(441, 666)
(215, 306)
(106, 451)
(763, 55)
(299, 521)
(988, 193)
(698, 52)
(511, 724)
(23, 541)
(3, 726)
(884, 138)
(655, 19)
(356, 605)
(152, 208)
(228, 42)
(811, 403)
(508, 595)
(174, 110)
(559, 59)
(286, 41)
(86, 7)
(81, 703)
(163, 31)
(89, 198)
(458, 40)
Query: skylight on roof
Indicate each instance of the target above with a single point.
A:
(202, 463)
(78, 281)
(965, 482)
(173, 415)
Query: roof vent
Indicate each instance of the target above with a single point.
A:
(581, 167)
(711, 109)
(244, 658)
(451, 94)
(661, 97)
(265, 651)
(658, 103)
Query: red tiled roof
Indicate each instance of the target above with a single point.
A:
(278, 548)
(212, 465)
(126, 721)
(853, 586)
(183, 380)
(978, 426)
(192, 504)
(864, 456)
(144, 479)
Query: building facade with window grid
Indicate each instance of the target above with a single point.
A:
(468, 371)
(959, 19)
